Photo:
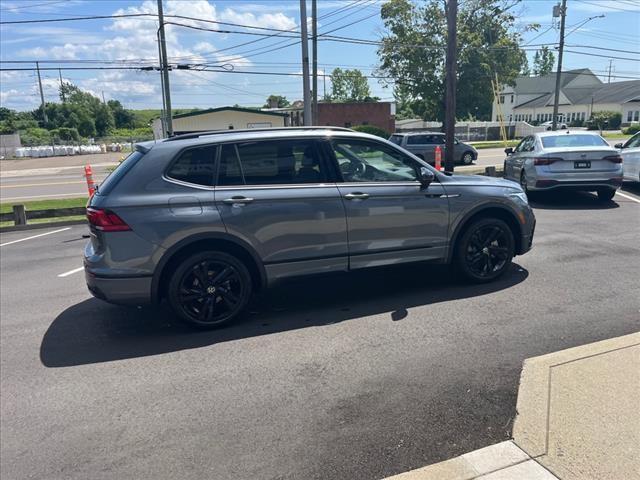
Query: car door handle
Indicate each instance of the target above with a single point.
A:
(356, 196)
(241, 200)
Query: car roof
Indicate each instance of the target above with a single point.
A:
(419, 133)
(208, 138)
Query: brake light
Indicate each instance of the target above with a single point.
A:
(613, 158)
(106, 221)
(545, 160)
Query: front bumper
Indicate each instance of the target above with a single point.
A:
(526, 241)
(119, 290)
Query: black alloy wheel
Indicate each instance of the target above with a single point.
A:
(485, 250)
(210, 289)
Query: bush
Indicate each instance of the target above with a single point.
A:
(66, 134)
(632, 130)
(577, 123)
(35, 136)
(372, 130)
(604, 120)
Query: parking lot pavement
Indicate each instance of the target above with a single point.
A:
(353, 376)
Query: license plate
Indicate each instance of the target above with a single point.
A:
(581, 164)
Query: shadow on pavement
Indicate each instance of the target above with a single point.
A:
(93, 331)
(569, 200)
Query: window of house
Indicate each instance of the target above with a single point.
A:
(636, 115)
(501, 98)
(629, 116)
(270, 163)
(194, 166)
(511, 98)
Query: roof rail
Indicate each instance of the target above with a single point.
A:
(187, 136)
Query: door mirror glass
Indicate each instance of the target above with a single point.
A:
(426, 176)
(508, 150)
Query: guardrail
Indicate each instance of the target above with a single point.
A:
(20, 215)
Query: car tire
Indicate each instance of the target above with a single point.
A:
(210, 289)
(606, 194)
(485, 250)
(467, 158)
(523, 182)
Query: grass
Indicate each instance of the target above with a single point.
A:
(621, 136)
(497, 144)
(45, 204)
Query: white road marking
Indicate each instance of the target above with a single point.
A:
(71, 272)
(35, 236)
(628, 196)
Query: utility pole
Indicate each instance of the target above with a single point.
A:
(305, 64)
(44, 112)
(314, 48)
(164, 65)
(61, 90)
(450, 90)
(610, 62)
(556, 99)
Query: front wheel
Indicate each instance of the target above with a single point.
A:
(485, 250)
(606, 194)
(210, 289)
(467, 158)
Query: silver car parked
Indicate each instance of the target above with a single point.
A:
(576, 160)
(630, 153)
(204, 220)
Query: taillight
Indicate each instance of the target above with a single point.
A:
(613, 158)
(545, 160)
(106, 221)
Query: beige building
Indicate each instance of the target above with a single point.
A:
(581, 93)
(223, 118)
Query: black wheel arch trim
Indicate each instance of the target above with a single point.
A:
(467, 216)
(185, 242)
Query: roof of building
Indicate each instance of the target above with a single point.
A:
(221, 109)
(616, 92)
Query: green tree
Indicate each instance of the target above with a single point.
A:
(278, 100)
(543, 61)
(349, 86)
(413, 48)
(103, 119)
(122, 117)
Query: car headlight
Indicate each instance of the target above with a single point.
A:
(521, 195)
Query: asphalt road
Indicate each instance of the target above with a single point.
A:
(349, 377)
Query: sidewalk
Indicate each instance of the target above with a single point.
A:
(578, 419)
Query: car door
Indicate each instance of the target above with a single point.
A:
(391, 217)
(523, 151)
(277, 196)
(631, 159)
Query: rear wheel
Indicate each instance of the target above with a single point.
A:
(210, 289)
(606, 194)
(485, 250)
(467, 158)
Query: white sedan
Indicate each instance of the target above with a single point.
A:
(630, 153)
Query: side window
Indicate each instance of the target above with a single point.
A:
(366, 161)
(194, 166)
(270, 163)
(521, 144)
(418, 140)
(438, 140)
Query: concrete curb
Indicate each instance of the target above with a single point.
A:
(36, 226)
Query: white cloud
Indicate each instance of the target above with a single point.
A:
(268, 20)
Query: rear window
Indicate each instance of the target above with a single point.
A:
(121, 170)
(397, 139)
(425, 140)
(194, 166)
(573, 141)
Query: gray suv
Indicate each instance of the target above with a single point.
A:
(205, 220)
(423, 145)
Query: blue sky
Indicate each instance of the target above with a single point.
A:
(56, 44)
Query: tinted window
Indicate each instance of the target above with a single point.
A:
(121, 170)
(426, 140)
(365, 161)
(397, 139)
(573, 141)
(270, 162)
(633, 142)
(194, 166)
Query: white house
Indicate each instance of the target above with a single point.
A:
(223, 118)
(581, 93)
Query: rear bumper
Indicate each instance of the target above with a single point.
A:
(119, 290)
(550, 184)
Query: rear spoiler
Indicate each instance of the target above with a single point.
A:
(144, 147)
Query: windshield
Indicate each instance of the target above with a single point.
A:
(397, 139)
(573, 141)
(114, 177)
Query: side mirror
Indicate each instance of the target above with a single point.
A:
(425, 176)
(618, 145)
(508, 150)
